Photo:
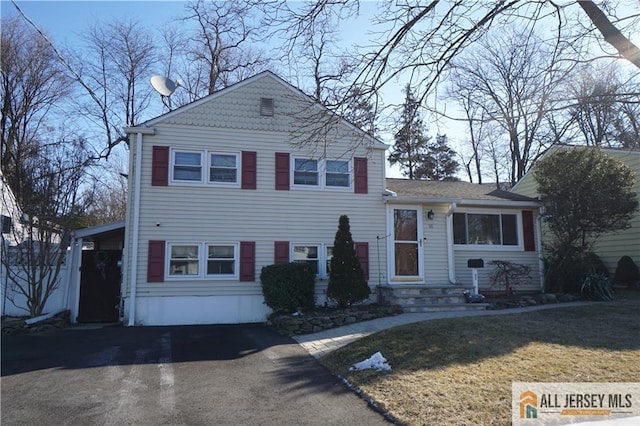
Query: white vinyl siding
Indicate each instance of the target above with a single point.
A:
(207, 213)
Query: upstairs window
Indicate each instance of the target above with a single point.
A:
(337, 174)
(485, 229)
(187, 166)
(305, 172)
(322, 174)
(223, 168)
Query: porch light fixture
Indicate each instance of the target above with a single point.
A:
(430, 215)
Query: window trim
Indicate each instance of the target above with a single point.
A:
(205, 166)
(493, 247)
(203, 258)
(322, 175)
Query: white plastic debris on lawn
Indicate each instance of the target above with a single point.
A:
(376, 362)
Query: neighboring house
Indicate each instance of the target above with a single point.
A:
(258, 174)
(611, 246)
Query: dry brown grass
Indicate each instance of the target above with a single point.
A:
(459, 371)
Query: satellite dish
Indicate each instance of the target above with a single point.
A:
(163, 85)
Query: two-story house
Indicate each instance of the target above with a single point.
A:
(244, 178)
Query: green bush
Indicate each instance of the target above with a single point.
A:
(566, 269)
(347, 284)
(626, 272)
(597, 287)
(288, 286)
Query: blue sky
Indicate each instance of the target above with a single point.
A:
(62, 20)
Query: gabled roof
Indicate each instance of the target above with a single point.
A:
(294, 91)
(409, 190)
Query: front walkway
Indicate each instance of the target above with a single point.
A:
(321, 343)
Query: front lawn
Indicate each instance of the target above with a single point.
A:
(459, 371)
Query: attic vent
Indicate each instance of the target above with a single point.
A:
(266, 107)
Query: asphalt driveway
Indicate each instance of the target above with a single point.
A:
(195, 375)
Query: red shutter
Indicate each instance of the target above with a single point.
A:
(282, 171)
(247, 261)
(528, 233)
(160, 166)
(360, 175)
(362, 253)
(155, 263)
(249, 170)
(281, 252)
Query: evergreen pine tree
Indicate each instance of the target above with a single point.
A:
(438, 163)
(346, 279)
(410, 141)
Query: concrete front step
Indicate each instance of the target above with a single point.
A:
(430, 298)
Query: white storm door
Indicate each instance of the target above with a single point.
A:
(406, 249)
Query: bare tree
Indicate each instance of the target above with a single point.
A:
(43, 165)
(51, 180)
(605, 109)
(220, 51)
(512, 81)
(114, 66)
(417, 41)
(33, 82)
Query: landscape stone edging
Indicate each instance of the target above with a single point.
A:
(312, 322)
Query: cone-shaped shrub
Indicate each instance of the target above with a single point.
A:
(346, 279)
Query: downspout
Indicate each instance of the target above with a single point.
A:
(76, 264)
(539, 250)
(450, 259)
(133, 265)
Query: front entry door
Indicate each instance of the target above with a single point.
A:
(407, 244)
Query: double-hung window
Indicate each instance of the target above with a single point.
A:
(187, 166)
(223, 168)
(337, 174)
(184, 260)
(221, 260)
(305, 172)
(318, 256)
(485, 229)
(321, 174)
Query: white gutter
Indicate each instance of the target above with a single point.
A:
(463, 202)
(450, 259)
(135, 230)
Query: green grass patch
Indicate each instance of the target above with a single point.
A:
(459, 371)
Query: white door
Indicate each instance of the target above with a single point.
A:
(406, 244)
